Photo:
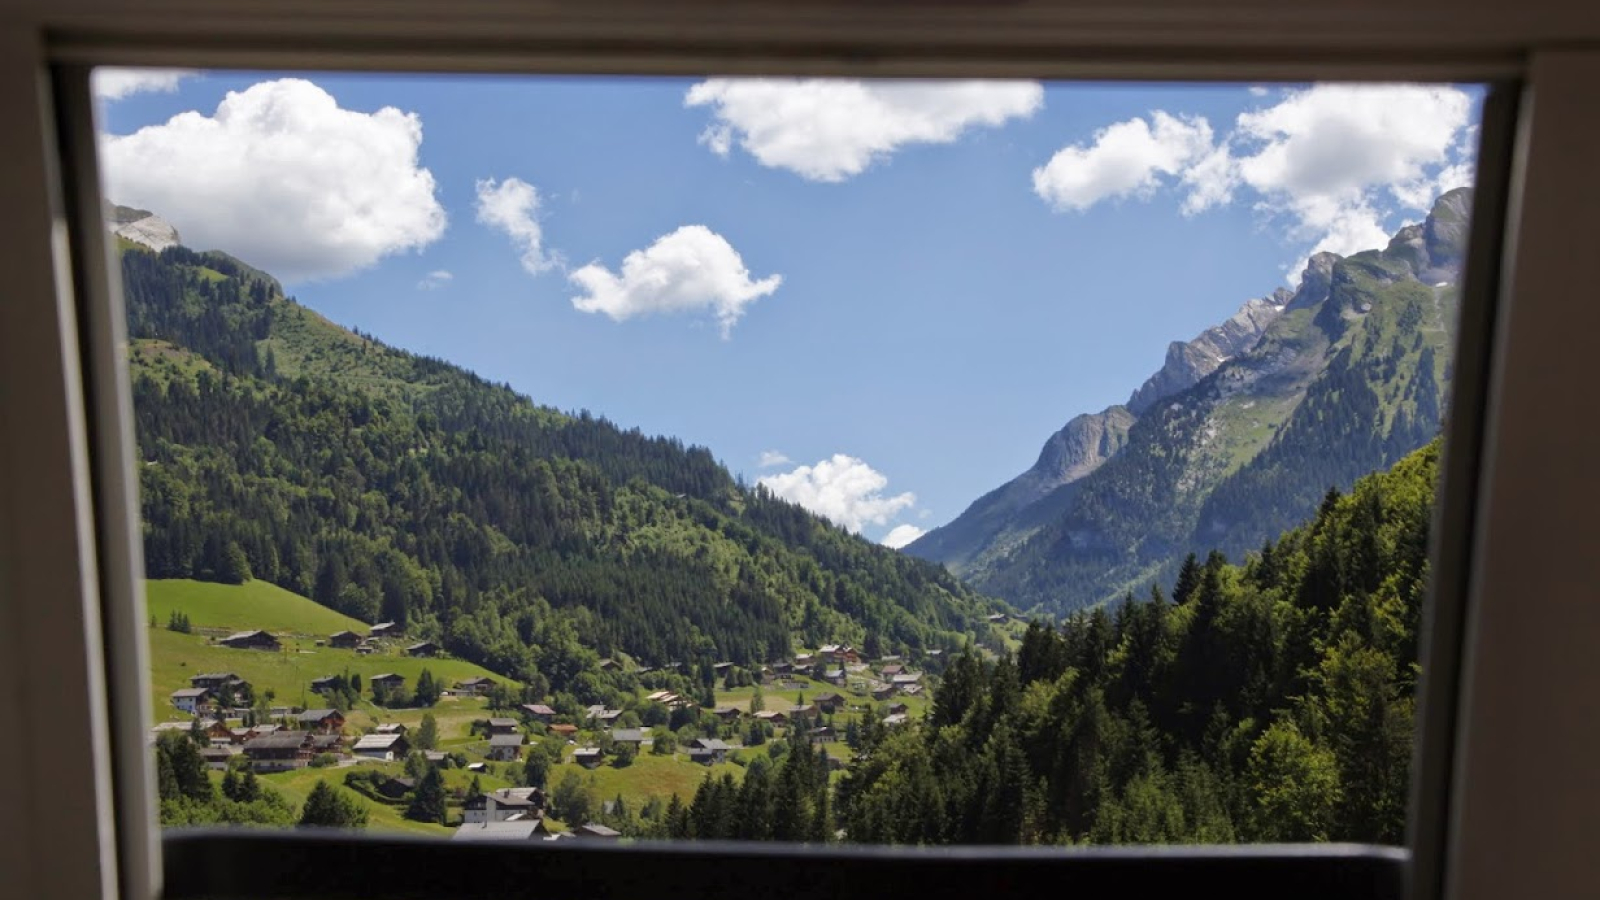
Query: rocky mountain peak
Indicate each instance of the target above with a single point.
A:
(142, 227)
(1189, 361)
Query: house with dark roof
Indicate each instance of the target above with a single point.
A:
(891, 670)
(390, 728)
(327, 743)
(593, 830)
(477, 687)
(385, 630)
(505, 747)
(538, 712)
(217, 757)
(387, 747)
(395, 788)
(708, 750)
(728, 713)
(251, 640)
(347, 640)
(834, 676)
(327, 721)
(217, 680)
(563, 730)
(588, 757)
(831, 703)
(503, 725)
(324, 684)
(634, 736)
(388, 681)
(423, 648)
(279, 751)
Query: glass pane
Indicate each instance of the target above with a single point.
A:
(535, 459)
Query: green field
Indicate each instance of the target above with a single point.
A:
(296, 786)
(648, 776)
(254, 604)
(299, 622)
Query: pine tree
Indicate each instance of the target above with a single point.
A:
(327, 807)
(427, 737)
(428, 802)
(1188, 580)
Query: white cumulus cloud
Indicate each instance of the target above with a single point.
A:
(830, 130)
(1125, 159)
(512, 206)
(901, 535)
(1332, 162)
(773, 458)
(284, 178)
(843, 489)
(691, 270)
(114, 84)
(435, 279)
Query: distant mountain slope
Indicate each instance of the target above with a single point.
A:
(1343, 377)
(386, 485)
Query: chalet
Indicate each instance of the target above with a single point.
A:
(782, 668)
(191, 700)
(911, 690)
(804, 661)
(538, 712)
(519, 830)
(634, 736)
(396, 788)
(388, 681)
(890, 658)
(503, 725)
(830, 703)
(905, 678)
(385, 630)
(604, 716)
(217, 757)
(823, 733)
(998, 619)
(434, 756)
(722, 668)
(898, 709)
(809, 709)
(477, 687)
(727, 713)
(772, 717)
(505, 747)
(324, 684)
(347, 640)
(504, 805)
(279, 751)
(327, 743)
(423, 648)
(592, 830)
(566, 731)
(839, 653)
(708, 750)
(882, 691)
(390, 728)
(251, 640)
(896, 719)
(326, 721)
(834, 677)
(588, 757)
(891, 670)
(218, 680)
(365, 649)
(220, 735)
(609, 665)
(387, 747)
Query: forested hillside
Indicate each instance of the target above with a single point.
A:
(1268, 701)
(1345, 378)
(390, 486)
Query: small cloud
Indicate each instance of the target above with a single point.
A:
(843, 489)
(114, 84)
(901, 535)
(693, 269)
(1257, 90)
(1125, 159)
(770, 458)
(434, 280)
(512, 207)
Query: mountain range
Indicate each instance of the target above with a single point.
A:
(1237, 437)
(279, 446)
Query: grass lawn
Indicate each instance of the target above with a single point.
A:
(296, 786)
(174, 657)
(242, 607)
(649, 776)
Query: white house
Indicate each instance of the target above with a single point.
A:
(505, 805)
(387, 747)
(191, 699)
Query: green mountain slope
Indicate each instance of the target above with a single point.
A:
(1344, 379)
(387, 485)
(1273, 703)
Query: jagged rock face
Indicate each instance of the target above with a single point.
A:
(142, 227)
(1073, 452)
(1445, 235)
(1188, 362)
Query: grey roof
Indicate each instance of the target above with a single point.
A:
(538, 709)
(509, 800)
(390, 728)
(502, 722)
(215, 676)
(596, 830)
(505, 740)
(377, 741)
(240, 635)
(386, 676)
(521, 830)
(479, 679)
(191, 692)
(281, 740)
(317, 715)
(628, 735)
(586, 752)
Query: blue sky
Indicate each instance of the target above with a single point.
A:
(933, 282)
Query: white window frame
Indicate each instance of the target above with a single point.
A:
(1516, 804)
